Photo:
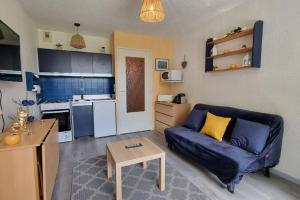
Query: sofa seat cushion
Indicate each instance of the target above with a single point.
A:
(221, 158)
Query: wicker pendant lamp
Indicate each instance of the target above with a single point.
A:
(152, 11)
(77, 41)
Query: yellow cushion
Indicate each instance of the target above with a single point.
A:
(215, 126)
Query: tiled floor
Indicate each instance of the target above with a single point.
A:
(253, 186)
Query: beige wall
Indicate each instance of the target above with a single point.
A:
(275, 88)
(93, 43)
(15, 17)
(160, 47)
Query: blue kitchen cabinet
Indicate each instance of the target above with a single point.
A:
(74, 62)
(102, 63)
(51, 60)
(83, 120)
(81, 62)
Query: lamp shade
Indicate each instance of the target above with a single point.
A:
(152, 11)
(77, 41)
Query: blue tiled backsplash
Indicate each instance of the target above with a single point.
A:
(65, 87)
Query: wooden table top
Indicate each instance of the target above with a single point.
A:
(39, 128)
(133, 155)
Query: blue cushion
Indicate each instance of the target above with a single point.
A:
(251, 136)
(196, 119)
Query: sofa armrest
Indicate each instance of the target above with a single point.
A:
(271, 153)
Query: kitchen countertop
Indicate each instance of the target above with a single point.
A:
(90, 101)
(66, 104)
(77, 100)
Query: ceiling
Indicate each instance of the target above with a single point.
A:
(102, 17)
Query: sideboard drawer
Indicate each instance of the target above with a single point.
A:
(160, 127)
(166, 119)
(165, 109)
(170, 115)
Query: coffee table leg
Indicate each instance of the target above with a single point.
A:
(118, 182)
(144, 164)
(109, 164)
(162, 173)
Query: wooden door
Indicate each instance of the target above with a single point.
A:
(134, 90)
(50, 161)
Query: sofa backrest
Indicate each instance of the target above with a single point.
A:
(275, 122)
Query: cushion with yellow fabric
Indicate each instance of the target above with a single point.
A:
(215, 126)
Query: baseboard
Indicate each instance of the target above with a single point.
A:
(285, 176)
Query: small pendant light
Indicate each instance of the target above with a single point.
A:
(152, 11)
(77, 40)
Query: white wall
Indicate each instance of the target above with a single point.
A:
(93, 43)
(275, 88)
(15, 17)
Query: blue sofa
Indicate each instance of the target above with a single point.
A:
(229, 163)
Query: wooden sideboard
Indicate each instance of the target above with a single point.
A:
(28, 169)
(169, 115)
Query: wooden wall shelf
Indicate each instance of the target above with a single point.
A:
(231, 69)
(256, 32)
(230, 53)
(232, 37)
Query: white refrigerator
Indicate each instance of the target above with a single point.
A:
(104, 118)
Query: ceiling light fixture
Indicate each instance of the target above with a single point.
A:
(77, 40)
(152, 11)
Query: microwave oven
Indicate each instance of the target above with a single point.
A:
(171, 75)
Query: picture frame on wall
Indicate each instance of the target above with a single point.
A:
(161, 64)
(47, 36)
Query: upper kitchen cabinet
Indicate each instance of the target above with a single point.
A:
(81, 62)
(54, 61)
(102, 63)
(73, 63)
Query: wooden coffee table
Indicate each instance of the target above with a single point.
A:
(121, 156)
